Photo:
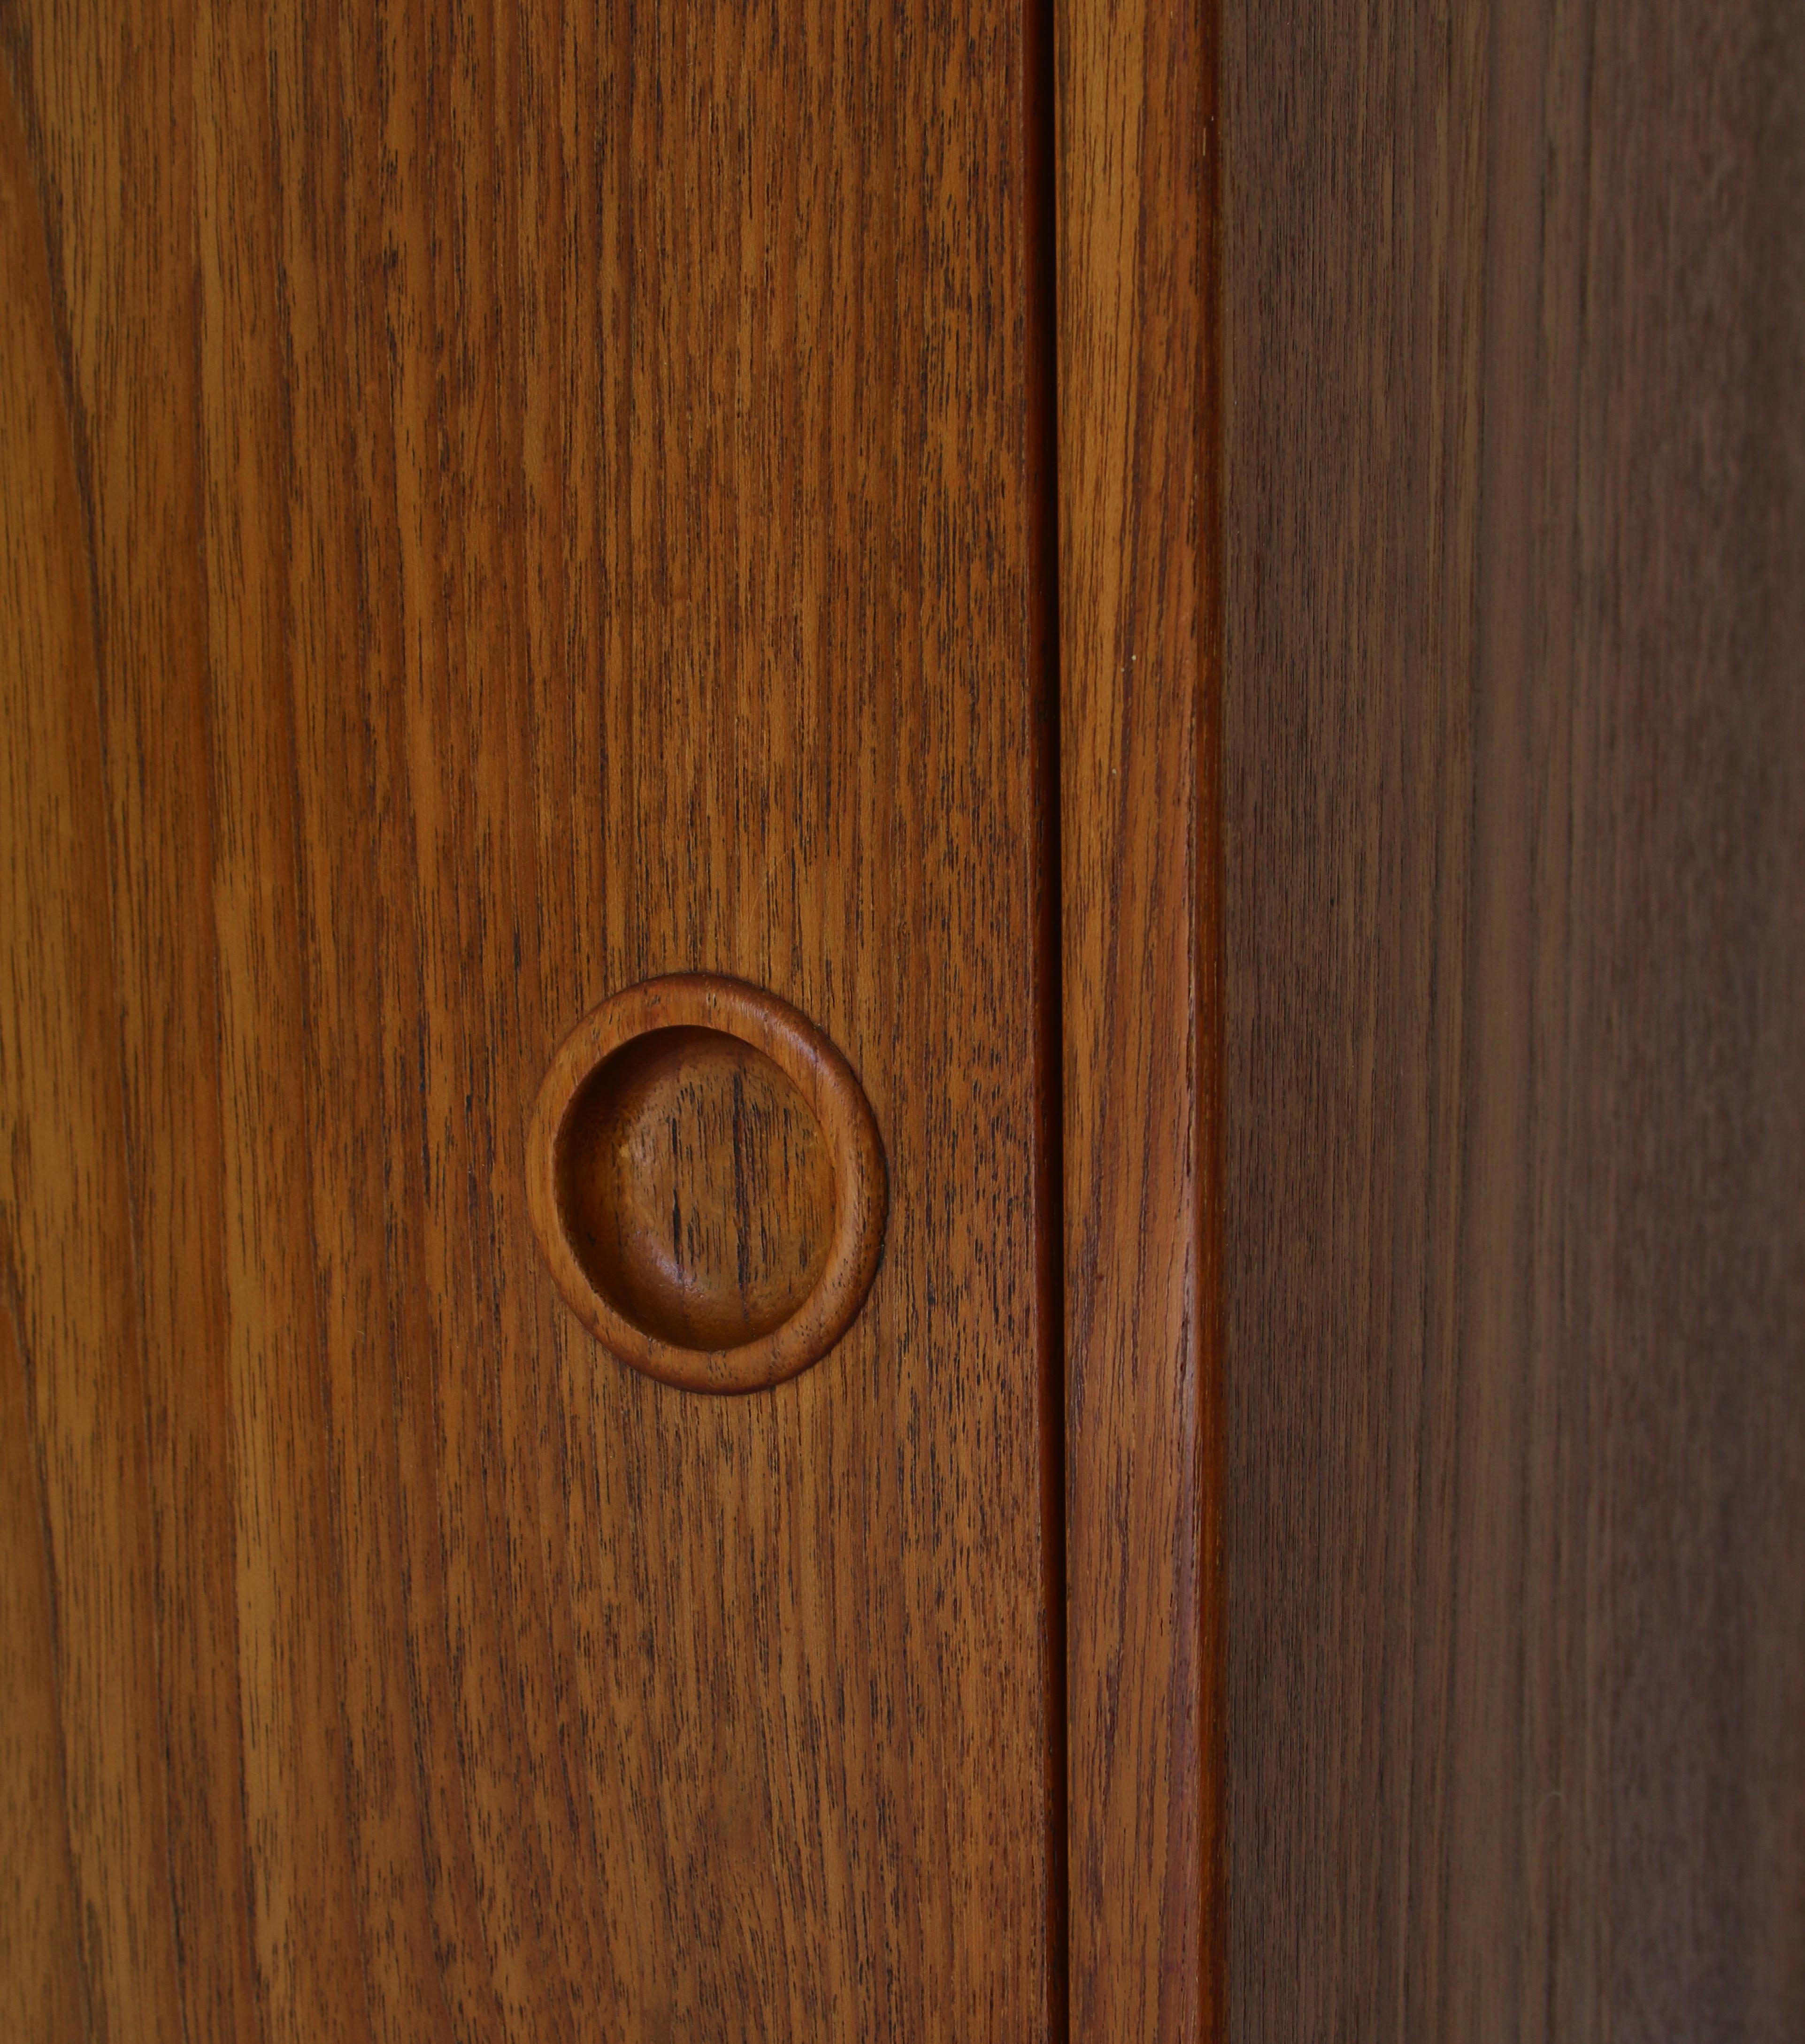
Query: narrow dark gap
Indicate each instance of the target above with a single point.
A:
(1209, 898)
(1040, 256)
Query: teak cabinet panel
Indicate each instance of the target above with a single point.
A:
(1213, 598)
(503, 503)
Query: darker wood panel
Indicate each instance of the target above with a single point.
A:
(1139, 678)
(1515, 785)
(558, 501)
(1039, 195)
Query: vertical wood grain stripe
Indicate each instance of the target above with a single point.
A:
(1513, 361)
(1041, 329)
(84, 1795)
(1140, 855)
(524, 498)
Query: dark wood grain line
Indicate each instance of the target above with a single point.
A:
(1213, 1854)
(1039, 237)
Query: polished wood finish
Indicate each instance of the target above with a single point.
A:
(81, 1824)
(501, 504)
(707, 1183)
(1140, 678)
(1514, 317)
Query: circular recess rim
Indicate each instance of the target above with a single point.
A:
(827, 1083)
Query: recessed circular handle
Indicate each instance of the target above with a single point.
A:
(704, 1179)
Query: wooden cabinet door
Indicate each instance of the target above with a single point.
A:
(1112, 690)
(503, 503)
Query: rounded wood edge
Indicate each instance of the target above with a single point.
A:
(825, 1079)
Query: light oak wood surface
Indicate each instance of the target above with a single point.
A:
(1514, 746)
(500, 502)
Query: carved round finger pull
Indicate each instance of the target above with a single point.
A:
(705, 1182)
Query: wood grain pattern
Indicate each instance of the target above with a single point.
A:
(1514, 789)
(1139, 635)
(502, 503)
(84, 1802)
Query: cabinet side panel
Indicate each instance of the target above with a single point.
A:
(1514, 790)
